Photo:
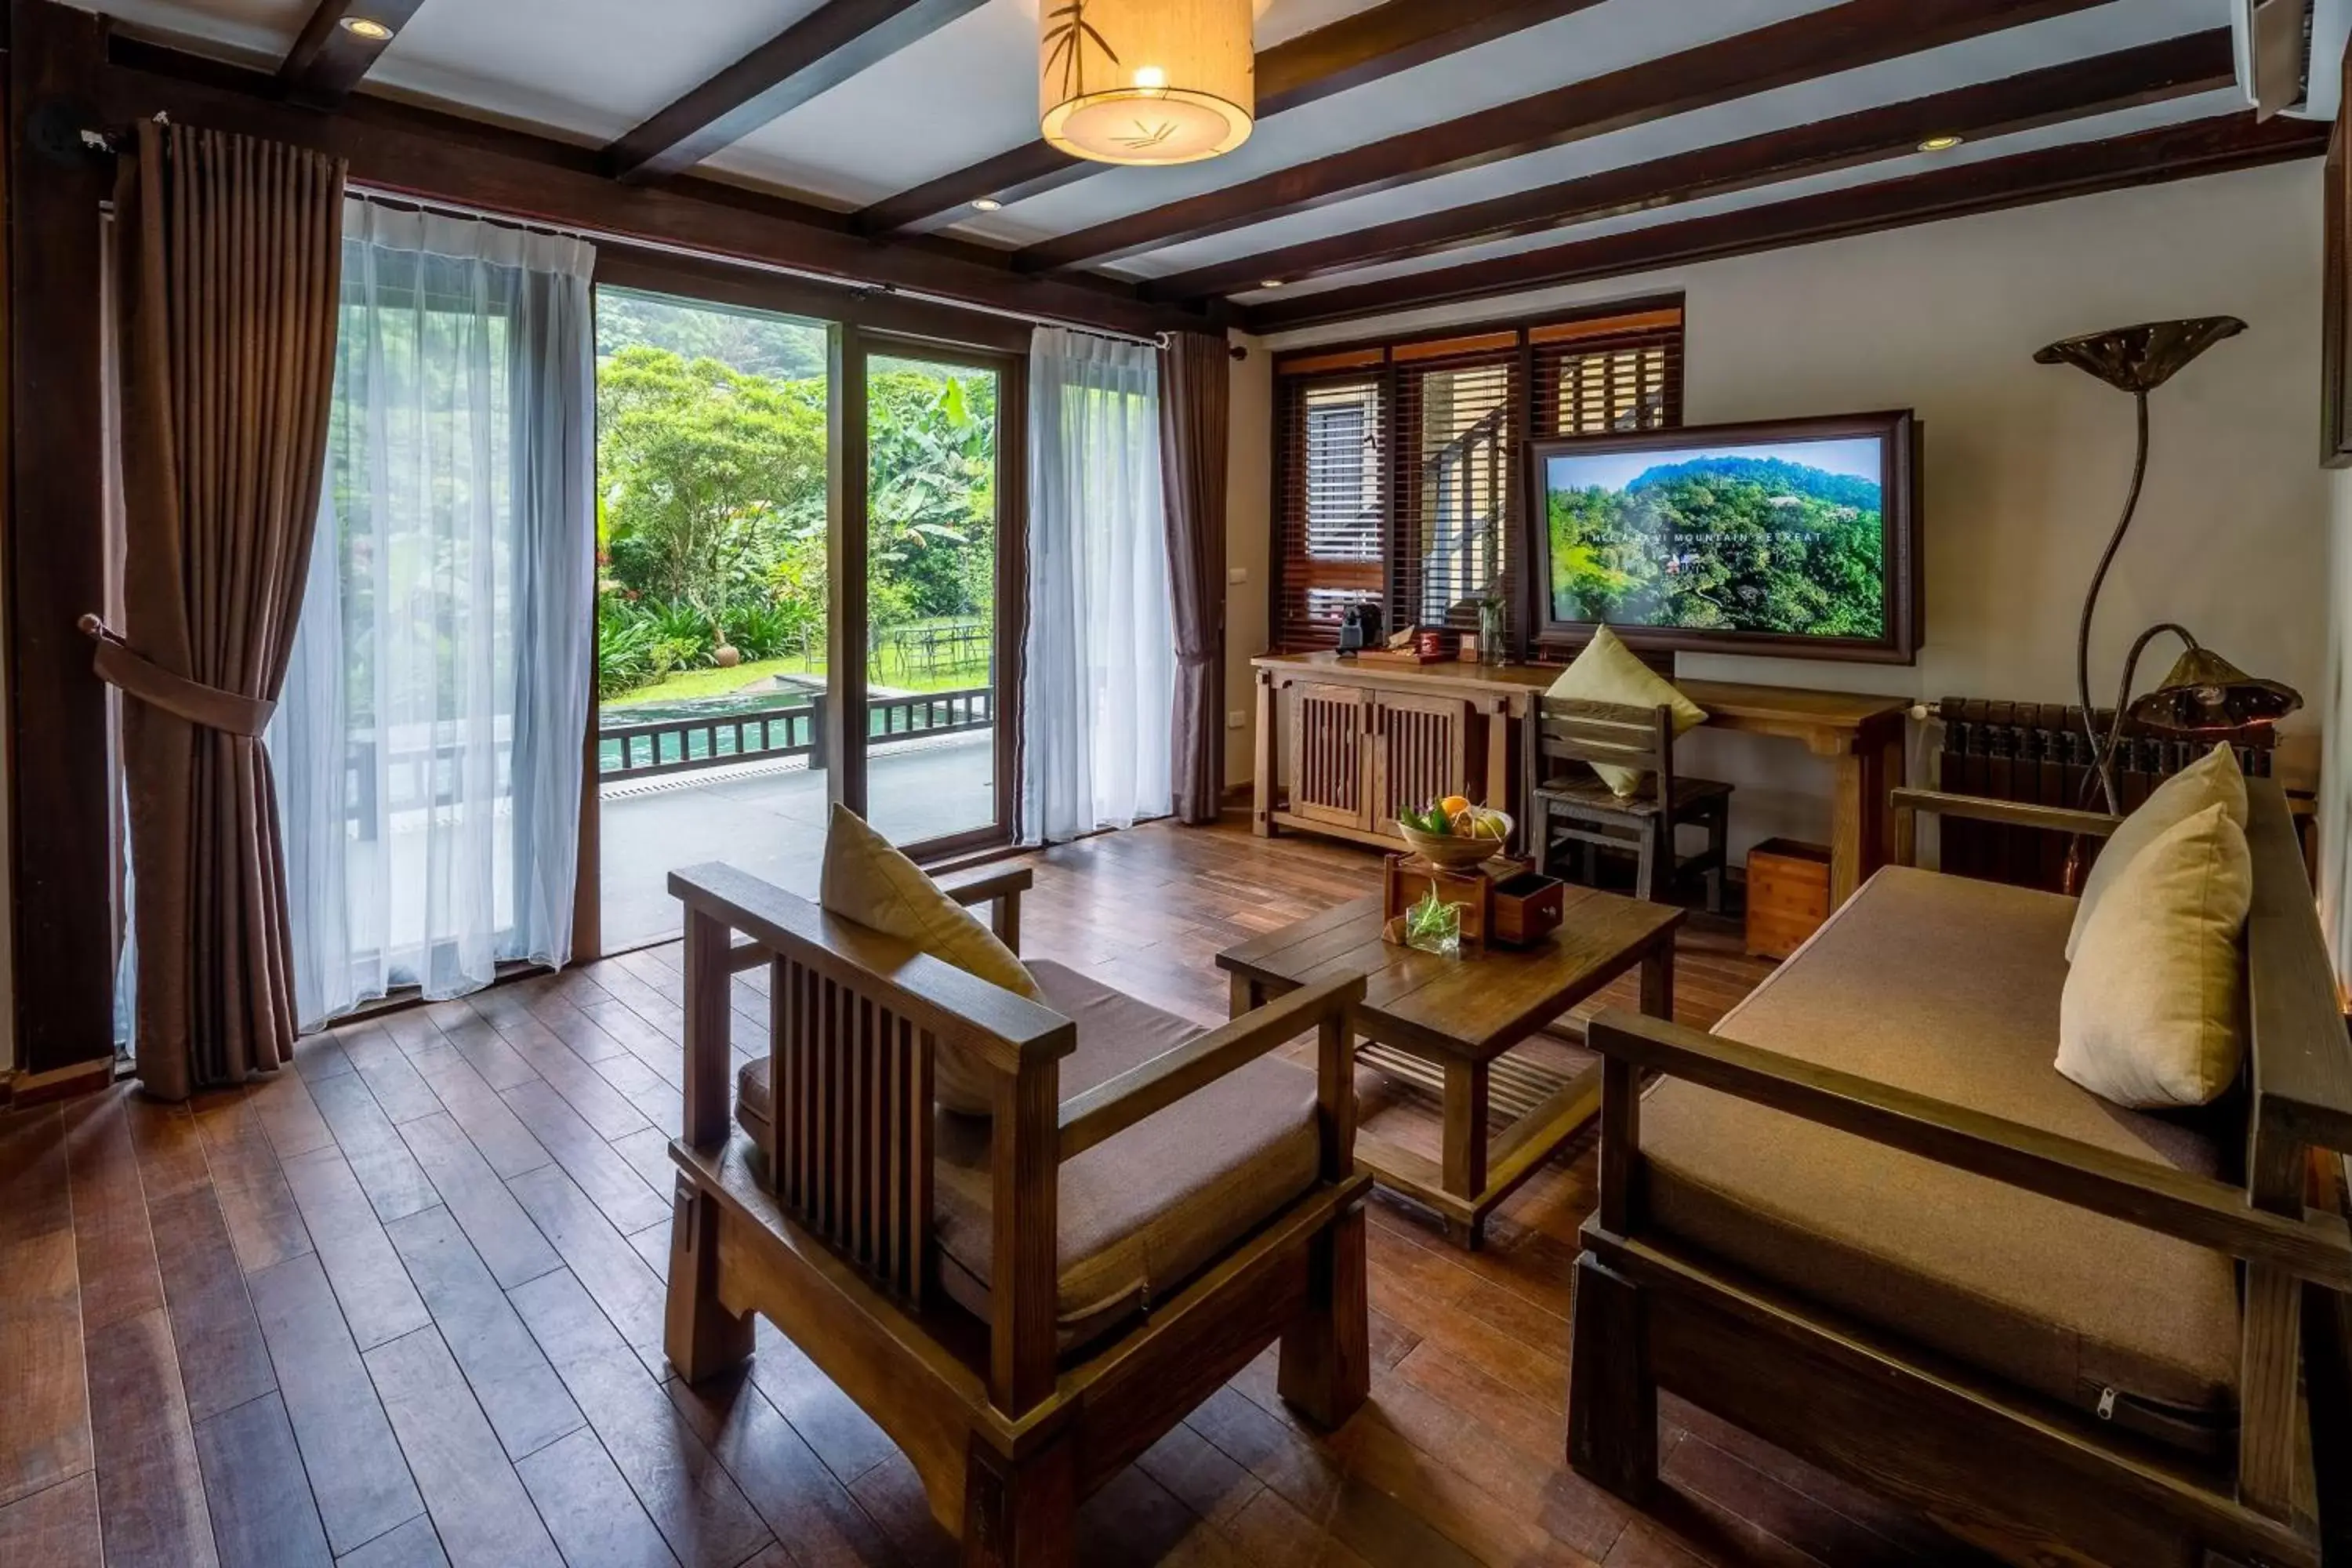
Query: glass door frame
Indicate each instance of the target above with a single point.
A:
(849, 557)
(858, 321)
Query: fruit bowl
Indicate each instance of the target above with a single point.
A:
(1453, 852)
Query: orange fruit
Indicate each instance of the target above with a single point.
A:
(1454, 805)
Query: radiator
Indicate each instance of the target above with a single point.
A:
(2038, 752)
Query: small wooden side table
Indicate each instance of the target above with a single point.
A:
(1450, 1023)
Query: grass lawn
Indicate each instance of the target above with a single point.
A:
(684, 684)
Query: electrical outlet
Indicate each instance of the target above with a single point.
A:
(1236, 575)
(1236, 720)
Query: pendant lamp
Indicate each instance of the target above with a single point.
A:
(1146, 81)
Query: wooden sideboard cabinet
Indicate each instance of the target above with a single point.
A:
(1343, 745)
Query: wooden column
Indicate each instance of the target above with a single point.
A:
(60, 863)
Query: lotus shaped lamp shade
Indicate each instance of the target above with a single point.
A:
(1146, 81)
(2205, 694)
(2141, 358)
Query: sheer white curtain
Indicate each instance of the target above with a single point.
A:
(1099, 678)
(428, 744)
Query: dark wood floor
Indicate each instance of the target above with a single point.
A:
(404, 1306)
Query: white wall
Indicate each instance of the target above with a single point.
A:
(2026, 464)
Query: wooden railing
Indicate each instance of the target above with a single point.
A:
(795, 730)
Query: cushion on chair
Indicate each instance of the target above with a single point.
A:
(2214, 779)
(1597, 794)
(1608, 671)
(1950, 987)
(868, 880)
(1141, 1212)
(2153, 1014)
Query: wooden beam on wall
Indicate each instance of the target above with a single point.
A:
(60, 795)
(1351, 52)
(329, 58)
(824, 48)
(2209, 146)
(2077, 89)
(1821, 43)
(403, 150)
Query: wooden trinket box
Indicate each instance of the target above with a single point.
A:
(1788, 895)
(1504, 902)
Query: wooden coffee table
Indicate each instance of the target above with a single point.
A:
(1449, 1024)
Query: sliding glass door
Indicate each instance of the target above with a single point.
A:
(937, 773)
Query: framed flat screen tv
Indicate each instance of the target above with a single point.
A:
(1799, 538)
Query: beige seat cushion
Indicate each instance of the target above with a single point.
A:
(1139, 1213)
(1950, 987)
(2214, 779)
(2153, 1015)
(1608, 671)
(866, 879)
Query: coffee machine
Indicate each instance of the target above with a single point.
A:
(1359, 627)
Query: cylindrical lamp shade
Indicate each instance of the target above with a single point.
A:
(1146, 81)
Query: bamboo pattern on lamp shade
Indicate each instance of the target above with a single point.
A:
(1146, 81)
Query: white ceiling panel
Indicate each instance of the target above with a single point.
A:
(2124, 122)
(1987, 59)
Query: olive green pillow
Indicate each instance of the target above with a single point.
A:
(2214, 779)
(1608, 671)
(867, 880)
(2152, 1015)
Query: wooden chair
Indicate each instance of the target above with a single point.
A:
(829, 1214)
(1572, 806)
(1887, 1373)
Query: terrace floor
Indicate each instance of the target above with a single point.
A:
(768, 818)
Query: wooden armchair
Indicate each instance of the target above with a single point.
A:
(826, 1215)
(1574, 808)
(1723, 1275)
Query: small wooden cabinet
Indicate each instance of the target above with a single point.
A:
(1355, 755)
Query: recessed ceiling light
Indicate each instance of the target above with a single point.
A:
(367, 28)
(1269, 283)
(1941, 143)
(986, 204)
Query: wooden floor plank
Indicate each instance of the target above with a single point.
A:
(255, 1485)
(697, 1507)
(504, 1235)
(287, 1115)
(387, 1172)
(484, 1517)
(611, 1183)
(516, 1389)
(374, 1291)
(114, 1251)
(357, 1474)
(588, 1509)
(263, 1218)
(782, 1476)
(222, 1359)
(56, 1528)
(45, 1435)
(475, 1107)
(151, 1487)
(840, 1434)
(413, 1545)
(600, 1258)
(390, 1077)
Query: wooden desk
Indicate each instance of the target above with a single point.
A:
(1450, 1023)
(1343, 745)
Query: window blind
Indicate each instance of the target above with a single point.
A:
(1398, 466)
(1331, 505)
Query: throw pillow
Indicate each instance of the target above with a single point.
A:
(2214, 779)
(2151, 1014)
(1608, 671)
(867, 880)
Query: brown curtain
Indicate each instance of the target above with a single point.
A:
(229, 271)
(1195, 399)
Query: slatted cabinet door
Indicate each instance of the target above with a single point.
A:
(1329, 779)
(1420, 747)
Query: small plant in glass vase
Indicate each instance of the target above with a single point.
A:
(1434, 925)
(1492, 636)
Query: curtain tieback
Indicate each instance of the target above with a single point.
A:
(151, 683)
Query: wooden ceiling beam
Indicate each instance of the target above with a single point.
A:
(1841, 37)
(2211, 146)
(329, 58)
(1351, 52)
(2076, 90)
(822, 50)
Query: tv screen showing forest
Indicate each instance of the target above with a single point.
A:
(1785, 537)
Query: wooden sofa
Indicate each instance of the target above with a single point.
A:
(1024, 1302)
(1866, 1219)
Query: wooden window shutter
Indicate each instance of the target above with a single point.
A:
(1330, 504)
(1616, 373)
(1459, 424)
